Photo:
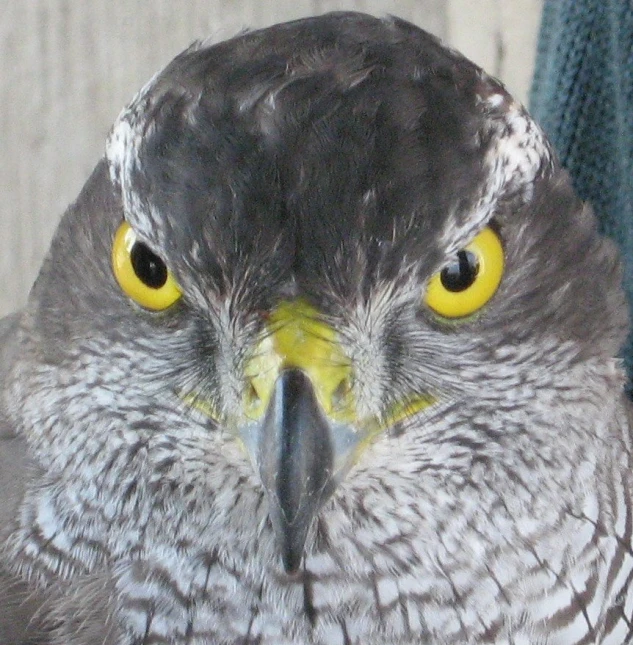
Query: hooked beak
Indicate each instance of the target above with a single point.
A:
(301, 457)
(299, 425)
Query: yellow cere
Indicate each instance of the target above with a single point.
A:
(298, 338)
(156, 298)
(487, 249)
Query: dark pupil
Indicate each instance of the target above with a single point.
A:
(462, 273)
(149, 268)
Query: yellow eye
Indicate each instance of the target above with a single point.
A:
(141, 273)
(466, 284)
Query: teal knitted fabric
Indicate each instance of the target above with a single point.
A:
(582, 95)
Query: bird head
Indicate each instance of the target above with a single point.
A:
(314, 256)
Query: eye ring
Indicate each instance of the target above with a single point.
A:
(141, 274)
(465, 285)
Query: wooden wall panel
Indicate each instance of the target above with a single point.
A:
(499, 35)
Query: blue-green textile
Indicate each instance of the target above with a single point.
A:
(582, 95)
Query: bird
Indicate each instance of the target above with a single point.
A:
(326, 353)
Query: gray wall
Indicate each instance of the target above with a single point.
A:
(68, 66)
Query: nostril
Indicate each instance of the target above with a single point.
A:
(341, 394)
(252, 395)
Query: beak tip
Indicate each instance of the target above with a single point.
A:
(291, 561)
(291, 538)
